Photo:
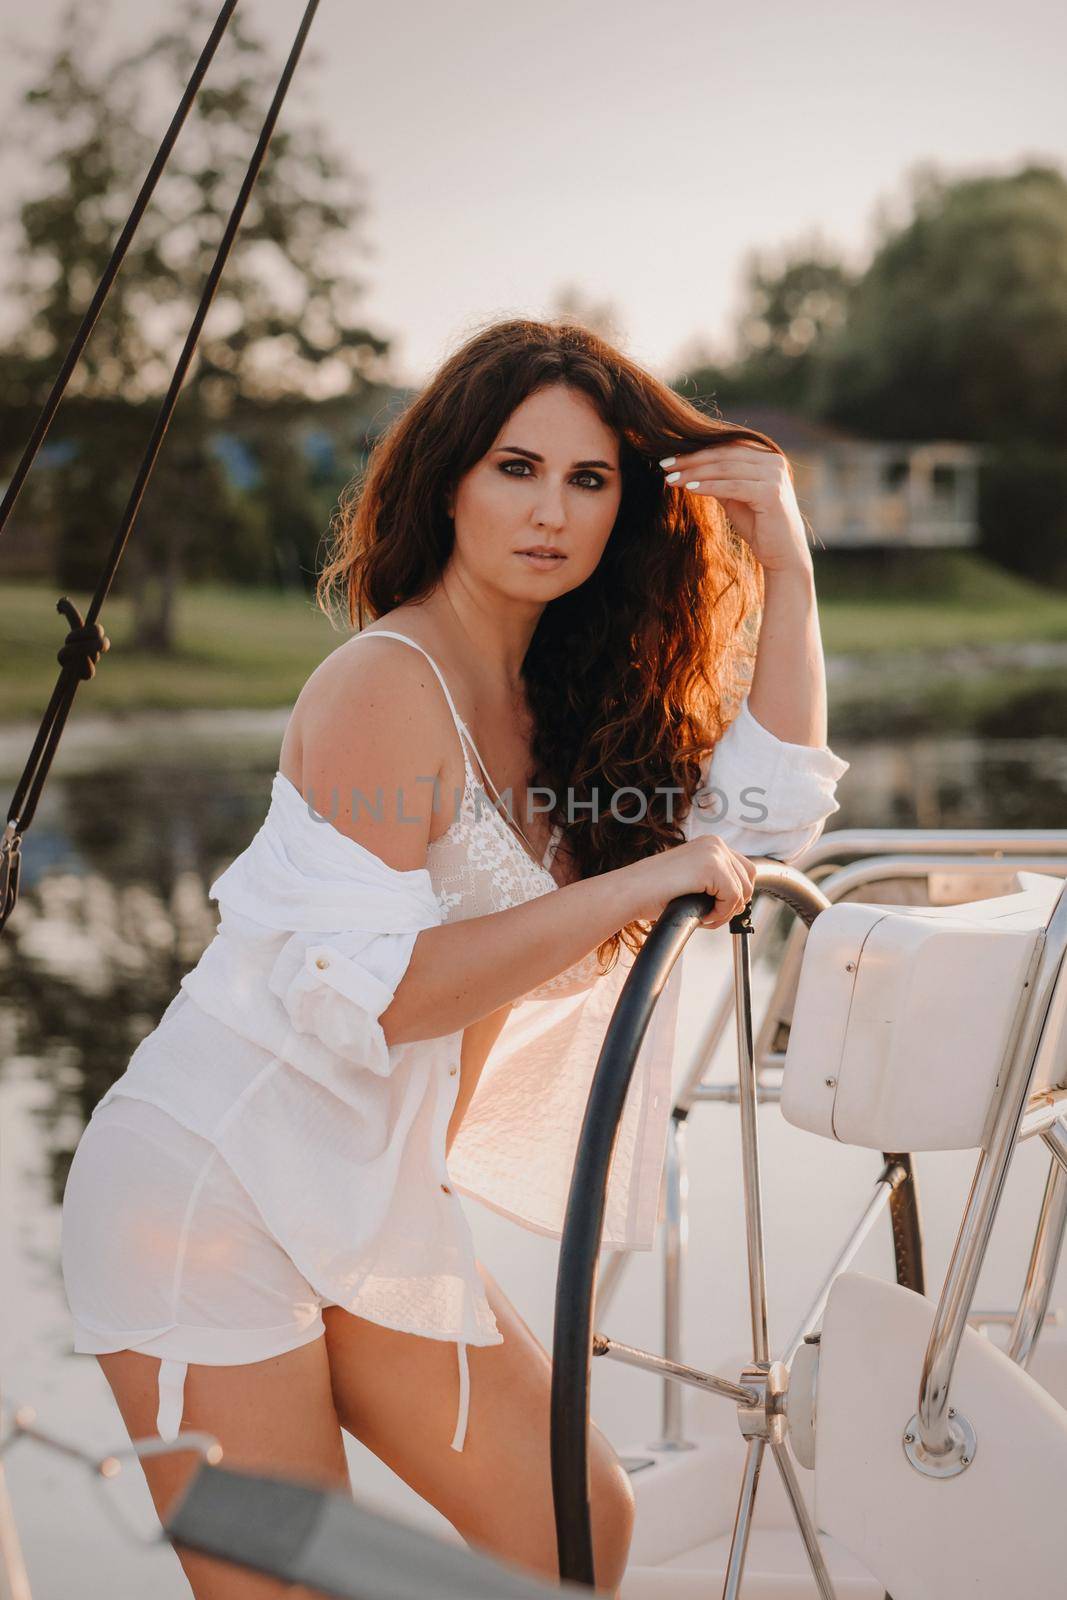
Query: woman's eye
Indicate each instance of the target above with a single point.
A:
(597, 483)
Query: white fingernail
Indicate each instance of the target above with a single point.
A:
(672, 477)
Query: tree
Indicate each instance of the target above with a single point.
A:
(795, 300)
(283, 326)
(958, 328)
(792, 300)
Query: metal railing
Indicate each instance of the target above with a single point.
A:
(844, 862)
(938, 1440)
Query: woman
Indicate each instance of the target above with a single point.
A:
(261, 1236)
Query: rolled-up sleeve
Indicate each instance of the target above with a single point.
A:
(763, 795)
(336, 986)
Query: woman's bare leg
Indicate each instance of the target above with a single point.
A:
(275, 1416)
(398, 1394)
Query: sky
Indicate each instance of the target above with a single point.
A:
(636, 152)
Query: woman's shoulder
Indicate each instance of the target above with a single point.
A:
(353, 662)
(366, 729)
(376, 680)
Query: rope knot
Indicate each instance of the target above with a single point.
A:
(83, 644)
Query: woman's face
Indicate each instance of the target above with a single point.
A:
(551, 478)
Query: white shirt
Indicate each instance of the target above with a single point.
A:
(340, 1138)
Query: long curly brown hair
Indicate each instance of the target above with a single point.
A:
(633, 676)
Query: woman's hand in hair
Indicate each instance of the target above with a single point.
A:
(754, 486)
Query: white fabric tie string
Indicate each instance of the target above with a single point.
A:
(464, 1395)
(171, 1398)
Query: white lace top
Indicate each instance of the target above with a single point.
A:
(272, 1048)
(477, 865)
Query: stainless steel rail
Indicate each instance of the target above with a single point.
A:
(848, 861)
(941, 1439)
(938, 1440)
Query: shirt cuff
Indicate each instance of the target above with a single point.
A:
(336, 987)
(756, 783)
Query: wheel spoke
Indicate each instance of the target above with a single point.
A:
(741, 928)
(804, 1522)
(746, 1505)
(891, 1175)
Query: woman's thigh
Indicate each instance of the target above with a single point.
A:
(398, 1393)
(275, 1416)
(159, 1234)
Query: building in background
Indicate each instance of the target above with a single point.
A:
(875, 492)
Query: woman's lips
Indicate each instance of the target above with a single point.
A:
(542, 563)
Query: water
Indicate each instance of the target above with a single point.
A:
(136, 821)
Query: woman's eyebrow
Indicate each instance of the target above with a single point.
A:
(519, 451)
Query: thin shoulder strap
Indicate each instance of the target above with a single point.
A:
(387, 633)
(509, 820)
(461, 726)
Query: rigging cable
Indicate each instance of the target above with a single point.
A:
(86, 639)
(118, 254)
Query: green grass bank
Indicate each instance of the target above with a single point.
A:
(240, 648)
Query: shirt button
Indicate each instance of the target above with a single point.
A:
(322, 963)
(446, 1189)
(452, 1071)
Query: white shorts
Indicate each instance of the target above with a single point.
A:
(164, 1251)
